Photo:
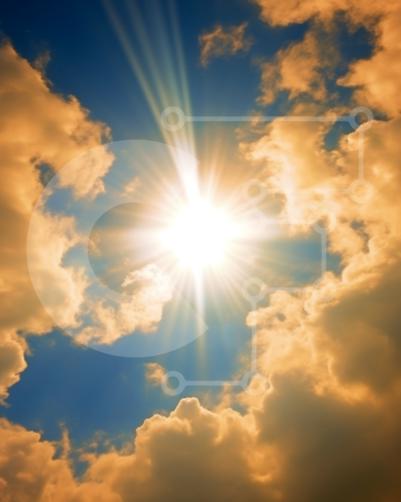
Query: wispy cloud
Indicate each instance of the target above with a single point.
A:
(221, 42)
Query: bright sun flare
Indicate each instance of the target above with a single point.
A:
(200, 235)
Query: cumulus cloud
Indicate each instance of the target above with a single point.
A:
(296, 445)
(331, 351)
(223, 42)
(146, 291)
(192, 454)
(346, 318)
(293, 11)
(12, 361)
(30, 471)
(328, 447)
(377, 78)
(84, 173)
(37, 127)
(61, 288)
(299, 69)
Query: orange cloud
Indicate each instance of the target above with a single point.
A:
(155, 373)
(297, 69)
(147, 290)
(30, 471)
(293, 11)
(377, 79)
(192, 454)
(223, 42)
(37, 127)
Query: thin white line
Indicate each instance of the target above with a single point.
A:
(265, 118)
(213, 383)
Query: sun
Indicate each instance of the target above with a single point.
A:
(200, 235)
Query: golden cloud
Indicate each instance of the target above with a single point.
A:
(297, 69)
(223, 42)
(149, 289)
(155, 374)
(30, 470)
(37, 127)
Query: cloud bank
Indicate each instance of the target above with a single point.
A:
(38, 127)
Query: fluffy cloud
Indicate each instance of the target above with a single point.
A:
(12, 361)
(37, 127)
(191, 454)
(284, 13)
(296, 445)
(328, 447)
(378, 77)
(146, 291)
(332, 351)
(30, 471)
(223, 42)
(293, 11)
(297, 70)
(349, 319)
(61, 288)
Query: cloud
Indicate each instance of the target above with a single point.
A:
(61, 287)
(347, 323)
(146, 291)
(223, 42)
(293, 11)
(296, 445)
(331, 352)
(192, 454)
(30, 471)
(329, 448)
(298, 69)
(37, 127)
(155, 374)
(377, 78)
(84, 173)
(12, 361)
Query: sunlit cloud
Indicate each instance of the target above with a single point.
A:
(41, 128)
(221, 42)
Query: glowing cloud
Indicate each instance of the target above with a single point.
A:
(221, 42)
